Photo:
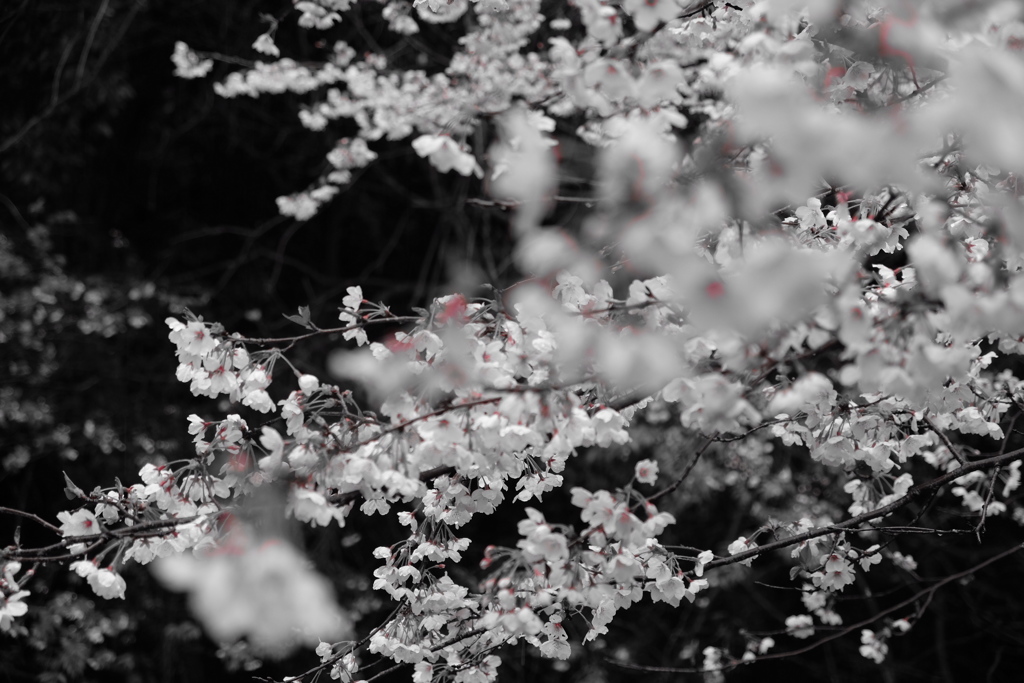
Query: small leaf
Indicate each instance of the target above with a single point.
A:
(71, 490)
(302, 318)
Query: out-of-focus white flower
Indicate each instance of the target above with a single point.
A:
(445, 155)
(523, 163)
(312, 508)
(304, 205)
(813, 394)
(316, 16)
(872, 647)
(647, 14)
(11, 606)
(800, 625)
(659, 83)
(266, 593)
(187, 64)
(811, 216)
(905, 562)
(440, 11)
(265, 45)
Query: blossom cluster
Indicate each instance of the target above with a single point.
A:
(215, 366)
(829, 268)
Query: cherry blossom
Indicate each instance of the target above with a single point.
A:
(264, 44)
(872, 647)
(835, 575)
(646, 471)
(796, 248)
(80, 523)
(800, 626)
(187, 64)
(446, 155)
(12, 606)
(107, 583)
(265, 592)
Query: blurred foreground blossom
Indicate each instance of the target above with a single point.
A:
(445, 155)
(267, 593)
(11, 606)
(188, 64)
(11, 596)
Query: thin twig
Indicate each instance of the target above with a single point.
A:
(926, 594)
(34, 518)
(266, 341)
(682, 477)
(330, 662)
(55, 88)
(14, 139)
(945, 439)
(80, 71)
(884, 511)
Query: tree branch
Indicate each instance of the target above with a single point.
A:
(926, 593)
(884, 511)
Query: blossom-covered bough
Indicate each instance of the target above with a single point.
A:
(806, 236)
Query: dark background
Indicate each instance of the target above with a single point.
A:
(127, 194)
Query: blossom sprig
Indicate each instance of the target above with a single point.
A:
(381, 315)
(174, 534)
(856, 522)
(139, 522)
(801, 626)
